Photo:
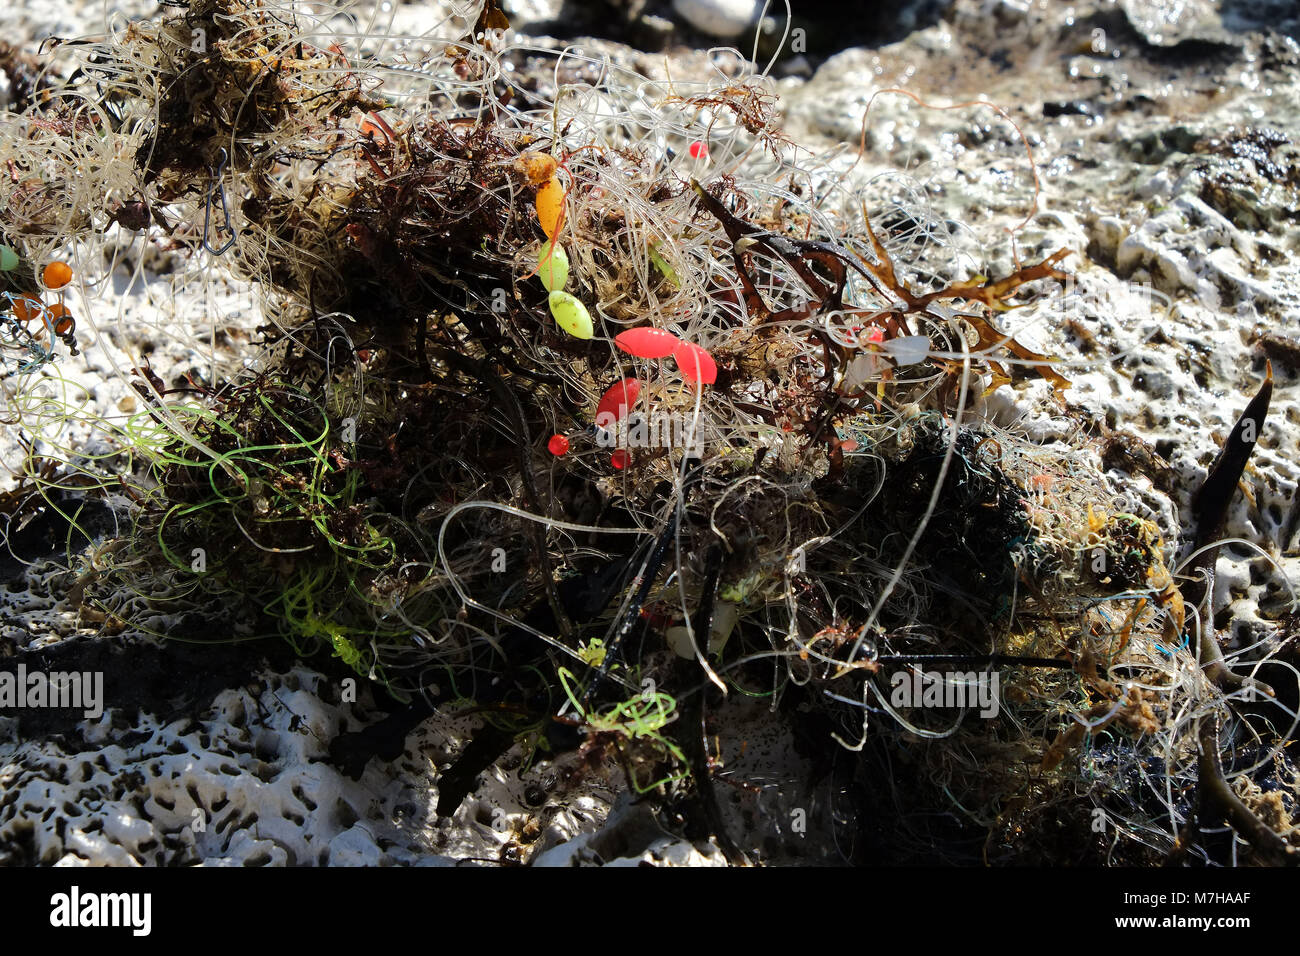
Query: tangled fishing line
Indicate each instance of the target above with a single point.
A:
(586, 399)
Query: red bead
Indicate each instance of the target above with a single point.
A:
(616, 401)
(647, 342)
(699, 149)
(696, 364)
(558, 445)
(619, 459)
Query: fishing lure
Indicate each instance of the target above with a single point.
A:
(617, 401)
(695, 364)
(553, 266)
(571, 315)
(550, 207)
(648, 342)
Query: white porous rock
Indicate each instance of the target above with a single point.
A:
(725, 19)
(522, 13)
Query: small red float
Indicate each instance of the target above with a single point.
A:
(616, 401)
(647, 342)
(696, 364)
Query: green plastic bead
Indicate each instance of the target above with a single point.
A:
(553, 267)
(571, 315)
(9, 259)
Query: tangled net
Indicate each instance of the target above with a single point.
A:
(457, 460)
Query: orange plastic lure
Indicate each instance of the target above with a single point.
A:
(550, 207)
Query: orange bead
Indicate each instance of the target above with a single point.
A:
(57, 275)
(27, 308)
(62, 318)
(550, 207)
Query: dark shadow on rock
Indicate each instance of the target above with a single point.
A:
(169, 680)
(828, 26)
(1258, 16)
